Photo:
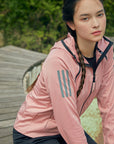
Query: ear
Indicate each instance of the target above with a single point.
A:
(71, 25)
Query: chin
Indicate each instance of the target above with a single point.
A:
(97, 38)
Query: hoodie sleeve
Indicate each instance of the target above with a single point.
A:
(106, 99)
(61, 89)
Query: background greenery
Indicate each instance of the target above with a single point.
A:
(37, 24)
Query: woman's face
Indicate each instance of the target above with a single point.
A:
(89, 20)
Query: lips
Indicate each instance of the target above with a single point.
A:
(96, 33)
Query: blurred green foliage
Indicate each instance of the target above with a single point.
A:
(109, 9)
(37, 24)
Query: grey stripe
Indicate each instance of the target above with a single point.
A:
(63, 74)
(68, 82)
(58, 72)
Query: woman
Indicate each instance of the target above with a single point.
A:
(77, 69)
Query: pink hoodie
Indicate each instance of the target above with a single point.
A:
(52, 107)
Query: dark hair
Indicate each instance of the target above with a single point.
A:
(68, 13)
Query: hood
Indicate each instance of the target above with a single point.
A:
(102, 47)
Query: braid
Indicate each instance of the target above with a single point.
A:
(68, 13)
(81, 59)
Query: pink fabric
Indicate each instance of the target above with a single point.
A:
(52, 107)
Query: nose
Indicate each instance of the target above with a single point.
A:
(95, 23)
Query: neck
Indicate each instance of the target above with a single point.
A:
(86, 47)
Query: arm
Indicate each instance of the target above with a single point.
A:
(62, 92)
(106, 100)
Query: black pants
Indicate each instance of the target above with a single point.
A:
(19, 138)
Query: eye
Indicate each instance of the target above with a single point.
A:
(100, 15)
(85, 19)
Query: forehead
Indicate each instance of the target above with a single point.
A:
(88, 6)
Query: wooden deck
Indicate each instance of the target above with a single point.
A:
(13, 63)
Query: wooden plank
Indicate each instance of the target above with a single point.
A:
(9, 110)
(10, 63)
(6, 140)
(12, 69)
(8, 116)
(7, 123)
(24, 55)
(7, 82)
(11, 91)
(13, 66)
(20, 51)
(10, 72)
(5, 66)
(4, 87)
(14, 76)
(11, 99)
(11, 104)
(12, 95)
(6, 55)
(7, 89)
(13, 83)
(5, 131)
(15, 60)
(9, 79)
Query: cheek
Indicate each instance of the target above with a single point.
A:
(104, 22)
(82, 29)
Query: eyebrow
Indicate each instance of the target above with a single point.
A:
(101, 11)
(89, 14)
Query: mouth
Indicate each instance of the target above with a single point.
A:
(96, 33)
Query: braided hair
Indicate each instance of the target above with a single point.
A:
(68, 13)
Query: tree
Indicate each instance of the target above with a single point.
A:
(109, 8)
(37, 24)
